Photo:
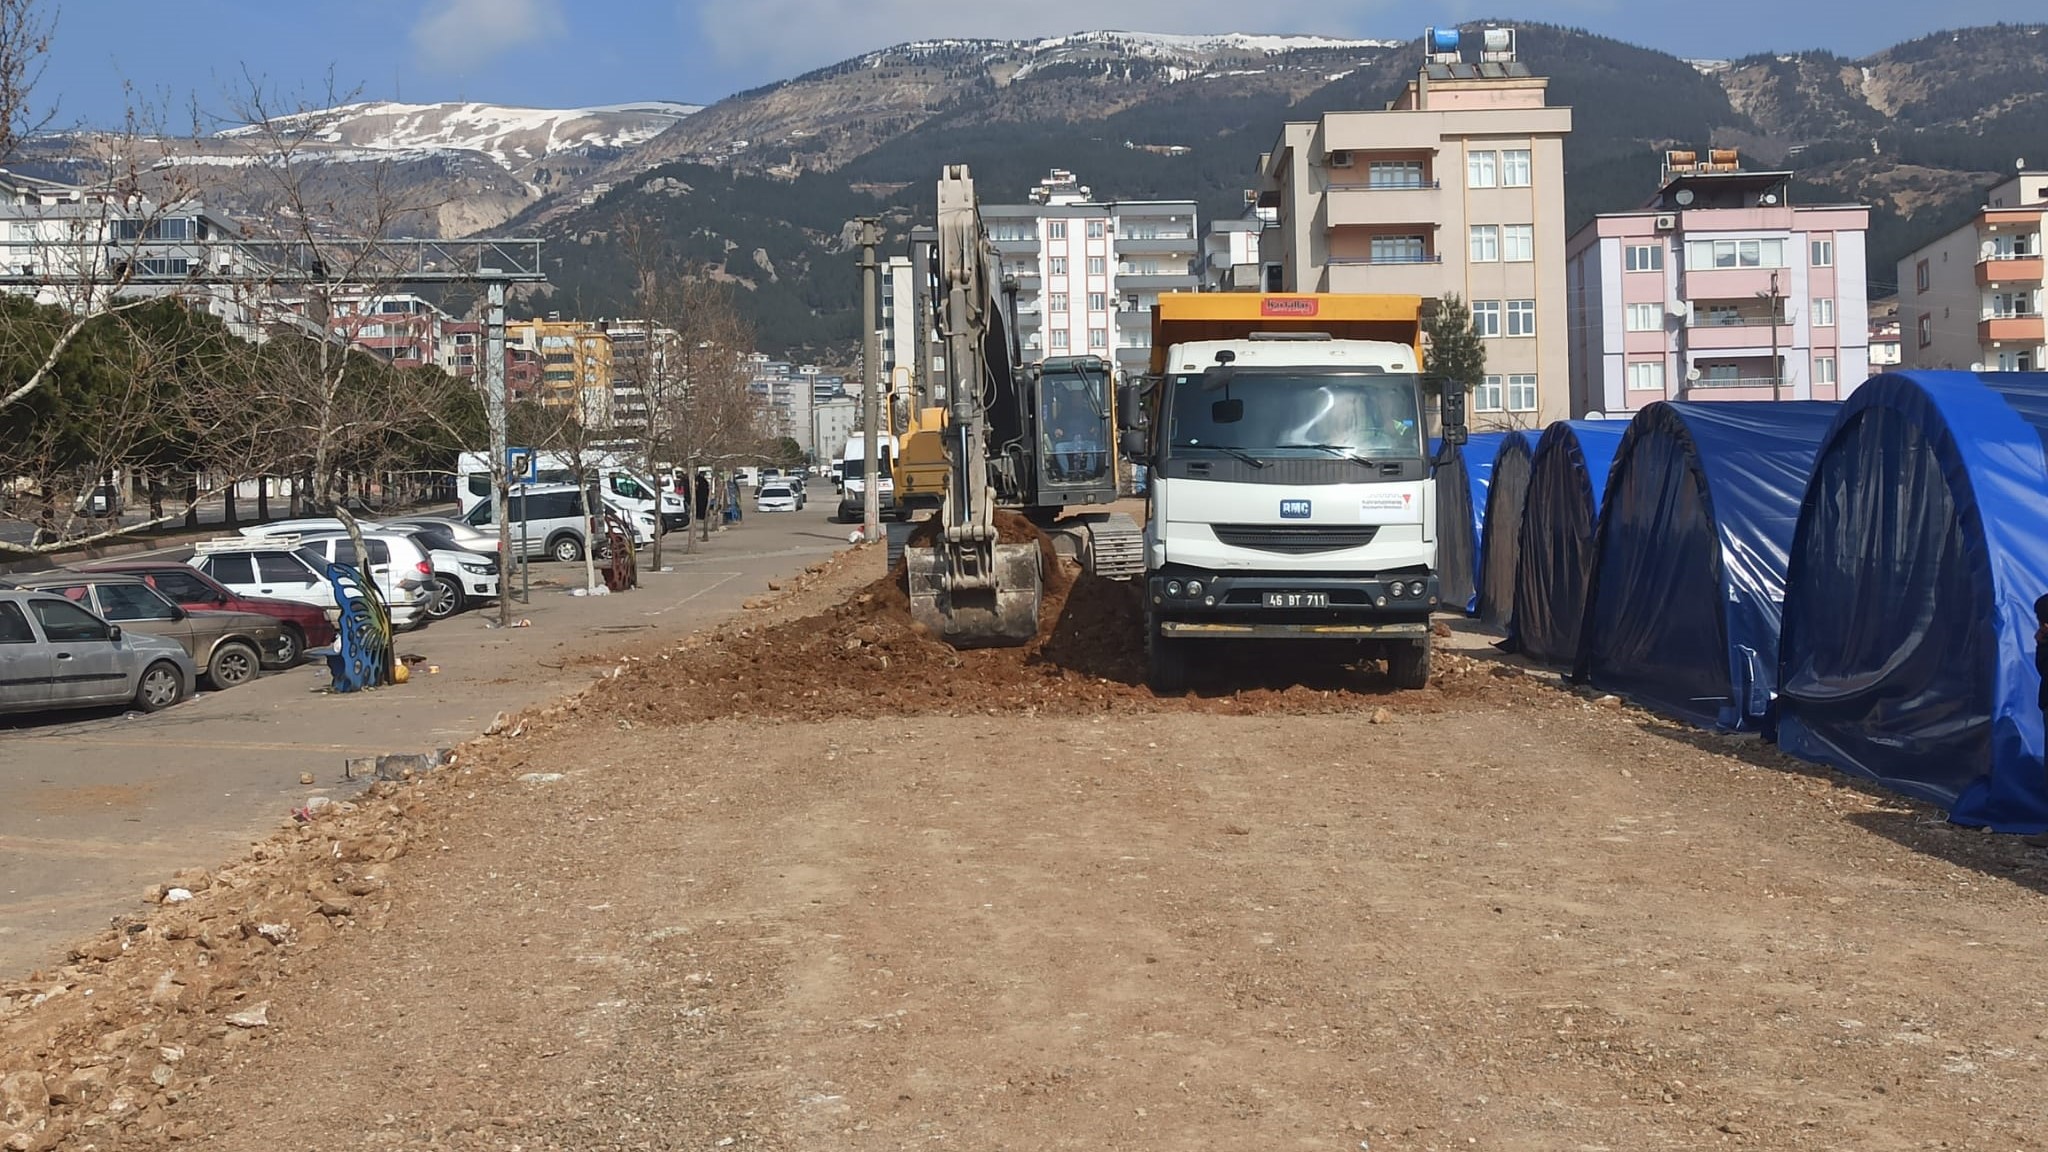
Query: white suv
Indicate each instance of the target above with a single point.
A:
(546, 515)
(399, 566)
(279, 567)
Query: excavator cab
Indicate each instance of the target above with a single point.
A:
(1076, 426)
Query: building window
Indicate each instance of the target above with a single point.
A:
(1518, 243)
(1824, 370)
(1823, 253)
(1095, 229)
(1098, 337)
(1645, 258)
(1397, 250)
(1522, 393)
(1645, 318)
(1515, 169)
(1276, 275)
(1920, 285)
(1646, 376)
(1823, 312)
(1521, 317)
(1486, 317)
(2015, 361)
(1480, 170)
(1485, 243)
(1701, 255)
(1059, 338)
(1058, 302)
(1486, 397)
(1058, 266)
(1054, 230)
(1095, 302)
(1394, 174)
(1095, 266)
(1926, 325)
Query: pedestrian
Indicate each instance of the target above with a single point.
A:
(732, 499)
(703, 495)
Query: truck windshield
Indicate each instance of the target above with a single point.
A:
(1287, 413)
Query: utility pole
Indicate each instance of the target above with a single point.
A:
(494, 411)
(870, 383)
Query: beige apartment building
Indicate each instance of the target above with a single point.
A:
(1456, 186)
(1973, 298)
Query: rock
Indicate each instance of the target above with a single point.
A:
(305, 777)
(24, 1098)
(170, 1053)
(19, 1142)
(1608, 701)
(275, 933)
(192, 879)
(541, 778)
(176, 895)
(852, 644)
(499, 723)
(257, 1015)
(161, 1075)
(81, 1086)
(357, 767)
(775, 585)
(336, 908)
(1381, 716)
(1505, 672)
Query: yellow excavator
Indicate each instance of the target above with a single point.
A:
(1039, 439)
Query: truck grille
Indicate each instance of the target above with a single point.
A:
(1296, 539)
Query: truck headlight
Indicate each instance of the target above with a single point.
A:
(1173, 588)
(1194, 588)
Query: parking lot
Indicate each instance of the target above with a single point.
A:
(101, 804)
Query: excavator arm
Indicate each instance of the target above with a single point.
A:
(965, 583)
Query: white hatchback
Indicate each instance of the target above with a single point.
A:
(775, 496)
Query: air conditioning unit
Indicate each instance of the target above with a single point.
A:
(1341, 158)
(1251, 196)
(1668, 222)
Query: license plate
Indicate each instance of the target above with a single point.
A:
(1297, 599)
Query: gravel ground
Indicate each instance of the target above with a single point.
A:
(847, 908)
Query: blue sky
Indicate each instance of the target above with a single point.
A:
(564, 53)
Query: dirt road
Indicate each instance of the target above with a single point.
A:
(1489, 915)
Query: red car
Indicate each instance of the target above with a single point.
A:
(305, 625)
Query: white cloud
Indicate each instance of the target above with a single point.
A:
(777, 37)
(460, 36)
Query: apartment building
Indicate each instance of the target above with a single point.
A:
(1088, 271)
(1230, 252)
(1718, 288)
(76, 247)
(575, 362)
(1972, 299)
(1456, 187)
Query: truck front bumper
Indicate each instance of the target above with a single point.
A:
(1285, 605)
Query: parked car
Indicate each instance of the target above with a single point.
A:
(56, 654)
(466, 536)
(775, 496)
(545, 517)
(461, 576)
(398, 565)
(279, 567)
(228, 648)
(305, 626)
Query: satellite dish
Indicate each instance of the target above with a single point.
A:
(1683, 197)
(1692, 375)
(1770, 197)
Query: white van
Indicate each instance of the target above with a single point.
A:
(623, 488)
(551, 524)
(853, 482)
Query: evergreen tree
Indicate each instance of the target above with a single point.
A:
(1455, 351)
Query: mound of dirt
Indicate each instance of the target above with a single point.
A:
(867, 657)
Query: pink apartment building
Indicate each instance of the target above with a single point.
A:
(1718, 289)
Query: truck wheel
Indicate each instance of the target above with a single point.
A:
(1408, 664)
(1166, 663)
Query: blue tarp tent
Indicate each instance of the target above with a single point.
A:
(1567, 474)
(1689, 572)
(1500, 528)
(1460, 513)
(1908, 650)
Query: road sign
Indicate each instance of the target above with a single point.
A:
(522, 466)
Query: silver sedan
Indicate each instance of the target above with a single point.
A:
(55, 654)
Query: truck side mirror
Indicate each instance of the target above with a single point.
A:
(1132, 444)
(1451, 411)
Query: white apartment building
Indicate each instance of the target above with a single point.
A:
(1456, 187)
(1088, 272)
(1973, 298)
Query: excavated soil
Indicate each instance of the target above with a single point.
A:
(866, 656)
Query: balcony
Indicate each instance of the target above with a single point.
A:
(1157, 245)
(2019, 327)
(2007, 268)
(1723, 332)
(1349, 205)
(1155, 281)
(1418, 278)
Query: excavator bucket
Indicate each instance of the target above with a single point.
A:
(1003, 615)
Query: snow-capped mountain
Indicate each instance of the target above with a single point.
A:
(516, 138)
